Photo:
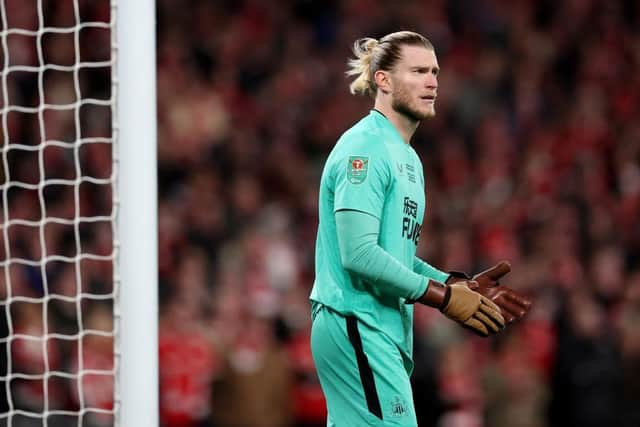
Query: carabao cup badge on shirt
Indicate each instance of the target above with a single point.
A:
(357, 169)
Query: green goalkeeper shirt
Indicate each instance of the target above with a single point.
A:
(372, 171)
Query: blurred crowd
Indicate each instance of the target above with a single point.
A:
(534, 157)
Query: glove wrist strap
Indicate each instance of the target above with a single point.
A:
(437, 295)
(457, 275)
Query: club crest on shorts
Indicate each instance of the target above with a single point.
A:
(398, 407)
(357, 169)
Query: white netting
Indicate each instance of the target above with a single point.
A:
(58, 250)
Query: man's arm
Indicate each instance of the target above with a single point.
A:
(361, 255)
(427, 270)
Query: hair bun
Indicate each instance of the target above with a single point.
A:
(367, 44)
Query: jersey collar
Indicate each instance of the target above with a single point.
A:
(383, 122)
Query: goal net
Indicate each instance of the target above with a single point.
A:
(58, 275)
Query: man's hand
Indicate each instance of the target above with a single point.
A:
(469, 308)
(512, 305)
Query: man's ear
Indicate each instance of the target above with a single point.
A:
(383, 80)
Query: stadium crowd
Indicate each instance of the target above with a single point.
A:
(538, 114)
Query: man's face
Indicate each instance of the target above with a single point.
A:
(414, 82)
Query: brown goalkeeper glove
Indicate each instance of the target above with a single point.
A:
(513, 306)
(468, 308)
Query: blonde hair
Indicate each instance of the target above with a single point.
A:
(372, 55)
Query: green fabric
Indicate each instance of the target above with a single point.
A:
(361, 255)
(371, 170)
(337, 367)
(425, 269)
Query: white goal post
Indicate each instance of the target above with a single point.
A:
(78, 214)
(138, 212)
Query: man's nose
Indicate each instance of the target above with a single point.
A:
(431, 82)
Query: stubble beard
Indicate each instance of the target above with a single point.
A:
(401, 103)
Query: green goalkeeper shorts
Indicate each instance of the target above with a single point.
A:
(361, 372)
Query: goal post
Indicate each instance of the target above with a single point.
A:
(137, 157)
(78, 214)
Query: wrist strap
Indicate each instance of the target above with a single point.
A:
(457, 275)
(437, 295)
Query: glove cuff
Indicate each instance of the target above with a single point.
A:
(457, 275)
(437, 295)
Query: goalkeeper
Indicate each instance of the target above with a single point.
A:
(371, 209)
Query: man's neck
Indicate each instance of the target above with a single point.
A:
(405, 126)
